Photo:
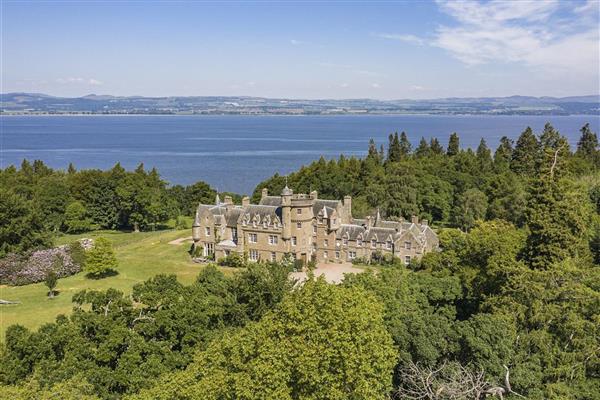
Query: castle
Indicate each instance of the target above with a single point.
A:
(306, 227)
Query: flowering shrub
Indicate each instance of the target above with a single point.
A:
(34, 267)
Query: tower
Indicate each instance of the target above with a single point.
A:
(286, 213)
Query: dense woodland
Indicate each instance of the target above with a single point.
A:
(514, 290)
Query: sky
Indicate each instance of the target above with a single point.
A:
(381, 50)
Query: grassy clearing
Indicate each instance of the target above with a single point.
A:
(140, 255)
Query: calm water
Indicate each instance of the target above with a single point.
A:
(234, 153)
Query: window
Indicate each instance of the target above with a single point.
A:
(407, 245)
(294, 240)
(325, 255)
(234, 235)
(272, 239)
(207, 231)
(252, 237)
(299, 225)
(325, 243)
(314, 229)
(314, 246)
(334, 221)
(373, 243)
(338, 243)
(407, 260)
(299, 211)
(273, 256)
(388, 244)
(359, 242)
(352, 255)
(253, 254)
(345, 241)
(337, 254)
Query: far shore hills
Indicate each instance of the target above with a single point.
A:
(42, 104)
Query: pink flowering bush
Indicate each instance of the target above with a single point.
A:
(33, 267)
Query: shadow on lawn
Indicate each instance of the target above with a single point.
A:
(103, 275)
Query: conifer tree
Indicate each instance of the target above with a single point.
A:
(484, 154)
(587, 147)
(404, 146)
(423, 149)
(394, 148)
(503, 154)
(453, 145)
(526, 153)
(436, 147)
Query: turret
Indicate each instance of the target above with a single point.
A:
(286, 212)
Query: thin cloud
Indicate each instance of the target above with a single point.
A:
(295, 42)
(407, 38)
(79, 80)
(525, 32)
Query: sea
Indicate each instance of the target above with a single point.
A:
(235, 153)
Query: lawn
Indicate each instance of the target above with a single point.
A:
(140, 255)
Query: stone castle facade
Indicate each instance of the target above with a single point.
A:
(306, 227)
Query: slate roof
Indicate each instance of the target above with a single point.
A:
(353, 231)
(270, 201)
(319, 204)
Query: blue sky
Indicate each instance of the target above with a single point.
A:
(386, 50)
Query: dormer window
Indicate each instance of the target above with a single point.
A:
(373, 243)
(207, 231)
(345, 241)
(388, 245)
(325, 243)
(359, 242)
(407, 245)
(334, 221)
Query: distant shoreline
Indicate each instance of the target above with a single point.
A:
(298, 115)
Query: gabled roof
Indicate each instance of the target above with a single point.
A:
(319, 204)
(352, 231)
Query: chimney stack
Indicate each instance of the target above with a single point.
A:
(265, 193)
(245, 201)
(228, 200)
(314, 195)
(348, 207)
(369, 222)
(414, 219)
(424, 222)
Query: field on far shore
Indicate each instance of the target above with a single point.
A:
(140, 256)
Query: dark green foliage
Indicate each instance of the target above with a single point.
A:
(234, 260)
(76, 220)
(52, 277)
(526, 153)
(21, 224)
(453, 145)
(77, 253)
(503, 154)
(78, 201)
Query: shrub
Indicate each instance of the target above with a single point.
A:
(234, 260)
(77, 253)
(50, 281)
(101, 259)
(75, 218)
(33, 267)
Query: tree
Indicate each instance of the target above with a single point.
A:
(75, 218)
(587, 147)
(484, 155)
(526, 153)
(394, 148)
(324, 342)
(471, 206)
(436, 147)
(50, 282)
(101, 258)
(503, 154)
(405, 146)
(21, 226)
(453, 145)
(423, 149)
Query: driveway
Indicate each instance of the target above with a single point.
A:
(333, 273)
